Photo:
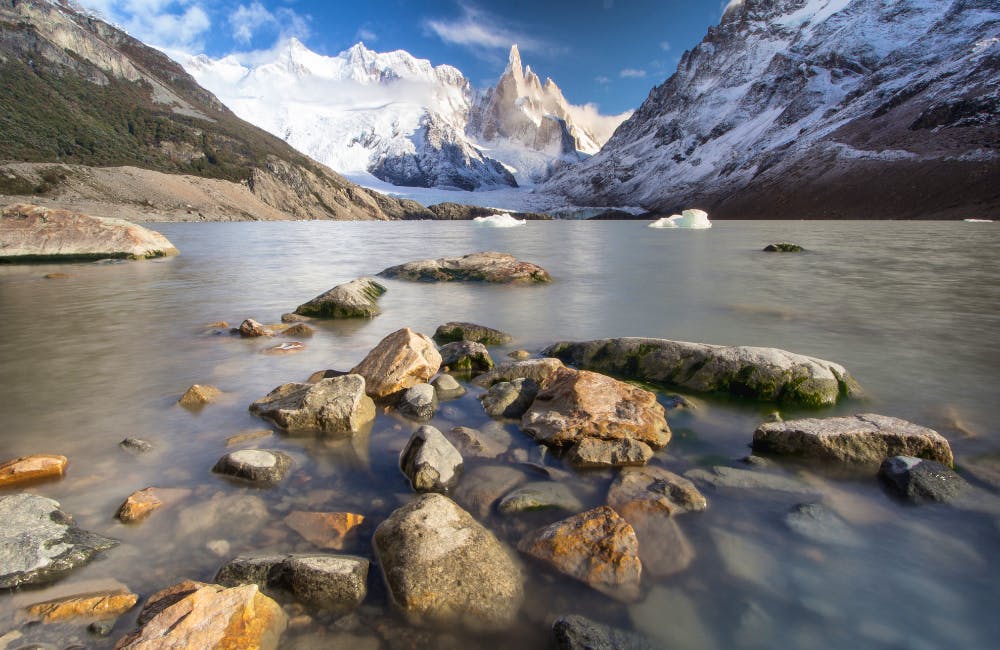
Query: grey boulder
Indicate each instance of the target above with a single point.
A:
(430, 462)
(418, 402)
(262, 467)
(354, 299)
(920, 481)
(466, 355)
(336, 583)
(336, 405)
(578, 633)
(510, 399)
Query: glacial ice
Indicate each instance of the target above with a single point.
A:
(693, 219)
(502, 220)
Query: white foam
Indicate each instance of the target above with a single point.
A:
(502, 220)
(692, 219)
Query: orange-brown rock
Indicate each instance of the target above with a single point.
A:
(401, 360)
(597, 547)
(324, 529)
(199, 395)
(580, 404)
(653, 490)
(197, 615)
(141, 503)
(94, 605)
(247, 436)
(32, 468)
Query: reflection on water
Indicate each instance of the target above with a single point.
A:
(909, 308)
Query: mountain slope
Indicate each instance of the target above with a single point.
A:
(818, 109)
(81, 92)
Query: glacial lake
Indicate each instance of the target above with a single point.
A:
(912, 310)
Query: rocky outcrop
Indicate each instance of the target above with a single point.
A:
(336, 406)
(597, 547)
(442, 567)
(264, 467)
(400, 360)
(466, 355)
(766, 374)
(486, 266)
(27, 469)
(32, 233)
(40, 543)
(354, 299)
(458, 331)
(920, 481)
(335, 583)
(198, 615)
(430, 462)
(862, 439)
(579, 404)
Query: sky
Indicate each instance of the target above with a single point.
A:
(604, 52)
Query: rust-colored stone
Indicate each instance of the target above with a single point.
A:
(94, 605)
(141, 503)
(199, 395)
(32, 468)
(324, 529)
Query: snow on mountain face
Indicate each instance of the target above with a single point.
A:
(817, 108)
(390, 114)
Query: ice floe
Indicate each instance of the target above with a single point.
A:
(502, 220)
(695, 219)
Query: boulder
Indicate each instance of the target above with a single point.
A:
(93, 606)
(766, 374)
(400, 360)
(540, 371)
(510, 399)
(27, 469)
(578, 633)
(859, 439)
(32, 233)
(198, 615)
(783, 247)
(336, 583)
(458, 331)
(447, 387)
(354, 299)
(539, 495)
(442, 567)
(430, 462)
(324, 529)
(582, 404)
(39, 543)
(920, 481)
(478, 443)
(418, 402)
(597, 547)
(337, 406)
(653, 490)
(141, 503)
(484, 485)
(262, 467)
(475, 267)
(198, 396)
(466, 355)
(250, 328)
(592, 453)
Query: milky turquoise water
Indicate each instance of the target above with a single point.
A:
(911, 309)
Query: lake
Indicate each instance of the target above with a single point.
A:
(911, 309)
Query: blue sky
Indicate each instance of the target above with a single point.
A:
(606, 52)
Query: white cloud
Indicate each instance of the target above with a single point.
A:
(602, 80)
(365, 34)
(176, 24)
(632, 73)
(602, 126)
(247, 20)
(480, 30)
(665, 46)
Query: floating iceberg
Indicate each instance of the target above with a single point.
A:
(502, 220)
(695, 219)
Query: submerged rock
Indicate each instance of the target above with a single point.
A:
(198, 615)
(480, 444)
(475, 267)
(484, 485)
(862, 439)
(721, 476)
(430, 462)
(540, 371)
(510, 399)
(324, 529)
(260, 466)
(783, 247)
(141, 503)
(400, 360)
(250, 328)
(597, 547)
(418, 402)
(27, 469)
(39, 543)
(338, 406)
(539, 495)
(32, 233)
(919, 481)
(198, 396)
(582, 404)
(654, 490)
(817, 522)
(466, 355)
(354, 299)
(136, 445)
(447, 387)
(766, 374)
(579, 633)
(591, 453)
(229, 515)
(443, 567)
(458, 331)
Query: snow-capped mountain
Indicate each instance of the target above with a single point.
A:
(400, 118)
(817, 108)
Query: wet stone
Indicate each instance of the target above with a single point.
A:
(324, 529)
(654, 490)
(510, 399)
(920, 481)
(418, 403)
(466, 356)
(484, 485)
(596, 453)
(447, 387)
(93, 606)
(430, 462)
(252, 329)
(458, 331)
(28, 469)
(541, 495)
(259, 466)
(578, 633)
(198, 396)
(480, 443)
(336, 405)
(818, 523)
(400, 360)
(136, 445)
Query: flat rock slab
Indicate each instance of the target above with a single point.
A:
(459, 331)
(354, 299)
(91, 606)
(579, 404)
(40, 543)
(198, 615)
(335, 406)
(921, 481)
(857, 439)
(766, 374)
(264, 467)
(442, 567)
(28, 469)
(430, 461)
(486, 266)
(400, 360)
(31, 233)
(597, 547)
